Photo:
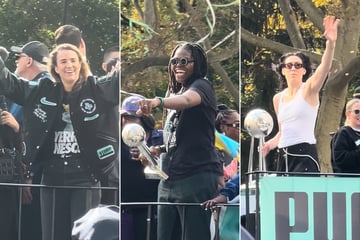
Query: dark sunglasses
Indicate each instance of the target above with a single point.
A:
(356, 111)
(18, 56)
(291, 65)
(234, 125)
(182, 61)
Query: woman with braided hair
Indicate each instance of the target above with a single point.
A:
(227, 122)
(190, 159)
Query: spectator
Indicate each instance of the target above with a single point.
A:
(135, 220)
(345, 144)
(112, 180)
(228, 194)
(189, 136)
(31, 60)
(71, 127)
(357, 92)
(10, 139)
(72, 35)
(227, 122)
(111, 57)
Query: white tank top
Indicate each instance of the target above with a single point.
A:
(297, 119)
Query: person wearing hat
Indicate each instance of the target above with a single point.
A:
(35, 50)
(136, 186)
(31, 64)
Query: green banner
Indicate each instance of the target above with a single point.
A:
(309, 208)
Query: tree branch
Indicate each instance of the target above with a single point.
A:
(315, 15)
(292, 26)
(275, 46)
(234, 91)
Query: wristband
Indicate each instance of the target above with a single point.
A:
(161, 105)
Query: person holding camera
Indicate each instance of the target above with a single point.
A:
(110, 59)
(10, 143)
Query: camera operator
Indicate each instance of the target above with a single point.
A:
(110, 59)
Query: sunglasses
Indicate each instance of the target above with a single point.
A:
(356, 111)
(182, 61)
(291, 65)
(18, 56)
(234, 125)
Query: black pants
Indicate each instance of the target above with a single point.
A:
(30, 214)
(9, 202)
(301, 157)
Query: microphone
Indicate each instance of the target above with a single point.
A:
(3, 104)
(4, 54)
(133, 135)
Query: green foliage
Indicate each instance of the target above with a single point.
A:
(175, 25)
(22, 21)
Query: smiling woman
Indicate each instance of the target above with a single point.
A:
(68, 66)
(189, 137)
(72, 135)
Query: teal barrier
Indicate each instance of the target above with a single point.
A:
(311, 208)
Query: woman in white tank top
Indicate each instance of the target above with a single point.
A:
(297, 105)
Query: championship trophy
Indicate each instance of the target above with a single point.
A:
(259, 124)
(133, 135)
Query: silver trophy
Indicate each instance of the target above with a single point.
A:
(259, 124)
(133, 135)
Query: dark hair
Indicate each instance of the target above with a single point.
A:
(200, 66)
(305, 62)
(68, 34)
(148, 122)
(223, 113)
(109, 50)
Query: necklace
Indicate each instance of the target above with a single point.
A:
(66, 107)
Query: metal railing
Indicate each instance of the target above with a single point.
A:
(215, 214)
(149, 205)
(19, 187)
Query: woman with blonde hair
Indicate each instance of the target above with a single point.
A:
(345, 144)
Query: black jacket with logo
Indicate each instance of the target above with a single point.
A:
(93, 110)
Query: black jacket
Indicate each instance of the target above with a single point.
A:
(93, 110)
(345, 151)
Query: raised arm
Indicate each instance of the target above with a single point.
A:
(316, 81)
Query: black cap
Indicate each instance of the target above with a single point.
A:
(357, 92)
(35, 49)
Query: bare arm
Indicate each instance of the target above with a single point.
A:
(273, 142)
(316, 81)
(188, 99)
